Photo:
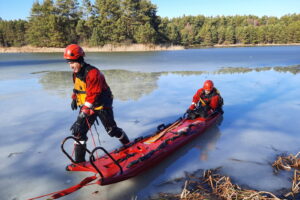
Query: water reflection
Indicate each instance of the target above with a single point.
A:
(57, 82)
(126, 85)
(295, 69)
(211, 145)
(292, 69)
(130, 85)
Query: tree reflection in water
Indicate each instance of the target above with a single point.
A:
(125, 85)
(130, 85)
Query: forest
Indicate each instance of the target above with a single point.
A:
(61, 22)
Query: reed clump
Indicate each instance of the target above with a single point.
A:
(290, 163)
(214, 186)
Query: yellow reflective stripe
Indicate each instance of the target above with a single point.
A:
(99, 108)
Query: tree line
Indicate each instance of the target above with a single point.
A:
(61, 22)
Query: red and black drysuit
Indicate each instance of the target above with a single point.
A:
(91, 90)
(204, 104)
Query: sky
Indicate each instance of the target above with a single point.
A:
(20, 9)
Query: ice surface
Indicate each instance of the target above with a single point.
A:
(261, 120)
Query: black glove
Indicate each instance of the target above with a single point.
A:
(78, 126)
(206, 108)
(74, 104)
(191, 114)
(188, 111)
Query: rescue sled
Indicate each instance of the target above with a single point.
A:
(143, 153)
(136, 157)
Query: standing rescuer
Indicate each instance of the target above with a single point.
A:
(206, 101)
(92, 95)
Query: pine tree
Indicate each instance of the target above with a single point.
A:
(230, 35)
(205, 35)
(53, 25)
(221, 34)
(145, 34)
(174, 34)
(56, 24)
(68, 12)
(109, 12)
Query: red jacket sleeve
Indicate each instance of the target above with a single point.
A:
(196, 99)
(214, 103)
(95, 84)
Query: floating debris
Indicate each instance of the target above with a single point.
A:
(212, 185)
(288, 163)
(222, 187)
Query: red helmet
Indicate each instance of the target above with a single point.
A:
(208, 85)
(73, 52)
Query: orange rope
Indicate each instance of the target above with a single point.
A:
(90, 128)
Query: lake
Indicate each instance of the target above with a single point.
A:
(260, 87)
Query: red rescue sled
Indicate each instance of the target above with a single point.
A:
(138, 156)
(143, 152)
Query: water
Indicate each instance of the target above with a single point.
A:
(261, 111)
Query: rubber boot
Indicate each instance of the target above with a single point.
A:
(80, 153)
(79, 156)
(124, 138)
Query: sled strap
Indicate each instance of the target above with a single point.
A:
(58, 194)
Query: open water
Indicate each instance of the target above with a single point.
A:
(260, 87)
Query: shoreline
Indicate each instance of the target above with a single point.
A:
(240, 45)
(105, 48)
(130, 48)
(254, 45)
